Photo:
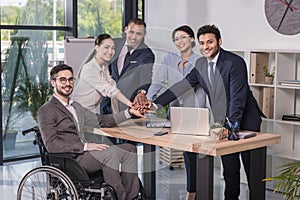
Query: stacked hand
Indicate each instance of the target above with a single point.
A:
(142, 104)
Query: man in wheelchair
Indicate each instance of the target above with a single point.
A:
(61, 121)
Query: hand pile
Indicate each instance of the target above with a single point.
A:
(141, 105)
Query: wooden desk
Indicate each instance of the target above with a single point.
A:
(206, 147)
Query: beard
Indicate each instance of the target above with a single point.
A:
(64, 93)
(216, 50)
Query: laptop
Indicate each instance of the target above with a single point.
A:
(191, 121)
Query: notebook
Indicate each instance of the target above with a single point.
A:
(192, 121)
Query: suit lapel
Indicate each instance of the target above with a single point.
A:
(79, 115)
(119, 43)
(132, 57)
(204, 73)
(61, 107)
(220, 68)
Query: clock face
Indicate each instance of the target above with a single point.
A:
(283, 15)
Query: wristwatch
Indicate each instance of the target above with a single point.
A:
(142, 92)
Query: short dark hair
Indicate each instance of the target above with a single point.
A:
(101, 37)
(187, 29)
(137, 21)
(60, 67)
(209, 29)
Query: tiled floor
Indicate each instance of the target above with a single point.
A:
(170, 183)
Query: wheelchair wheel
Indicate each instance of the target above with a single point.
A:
(47, 183)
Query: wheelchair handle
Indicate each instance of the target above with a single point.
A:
(33, 129)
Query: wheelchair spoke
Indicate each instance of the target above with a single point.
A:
(46, 183)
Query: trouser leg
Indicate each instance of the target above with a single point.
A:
(246, 162)
(231, 173)
(108, 160)
(190, 166)
(128, 158)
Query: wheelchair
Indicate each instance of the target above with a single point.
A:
(61, 178)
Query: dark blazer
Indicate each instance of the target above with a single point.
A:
(135, 75)
(230, 97)
(58, 126)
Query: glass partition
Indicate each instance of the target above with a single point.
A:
(26, 59)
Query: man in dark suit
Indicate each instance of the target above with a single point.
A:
(223, 76)
(132, 64)
(62, 120)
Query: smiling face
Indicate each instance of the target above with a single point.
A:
(208, 45)
(183, 41)
(105, 50)
(134, 34)
(63, 90)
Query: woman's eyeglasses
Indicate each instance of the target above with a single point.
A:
(180, 38)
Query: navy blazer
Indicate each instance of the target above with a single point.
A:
(135, 75)
(230, 96)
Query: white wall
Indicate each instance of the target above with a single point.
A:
(242, 23)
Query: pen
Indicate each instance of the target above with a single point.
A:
(229, 124)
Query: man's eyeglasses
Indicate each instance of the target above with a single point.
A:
(63, 80)
(180, 38)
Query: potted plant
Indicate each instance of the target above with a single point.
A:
(269, 75)
(34, 88)
(288, 181)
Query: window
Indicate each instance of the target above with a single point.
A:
(32, 41)
(28, 51)
(33, 12)
(99, 16)
(36, 58)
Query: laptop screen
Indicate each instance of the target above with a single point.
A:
(186, 120)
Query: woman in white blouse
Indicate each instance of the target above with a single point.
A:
(94, 81)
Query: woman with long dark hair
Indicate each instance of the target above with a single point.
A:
(94, 80)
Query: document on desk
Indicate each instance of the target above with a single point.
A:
(245, 135)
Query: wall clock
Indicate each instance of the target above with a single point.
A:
(283, 15)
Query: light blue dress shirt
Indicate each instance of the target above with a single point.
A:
(167, 73)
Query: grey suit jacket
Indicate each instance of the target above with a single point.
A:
(59, 128)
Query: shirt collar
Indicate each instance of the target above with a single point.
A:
(64, 103)
(189, 59)
(133, 48)
(215, 59)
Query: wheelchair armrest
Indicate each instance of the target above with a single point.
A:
(63, 155)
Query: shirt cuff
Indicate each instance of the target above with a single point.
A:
(154, 105)
(85, 148)
(127, 113)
